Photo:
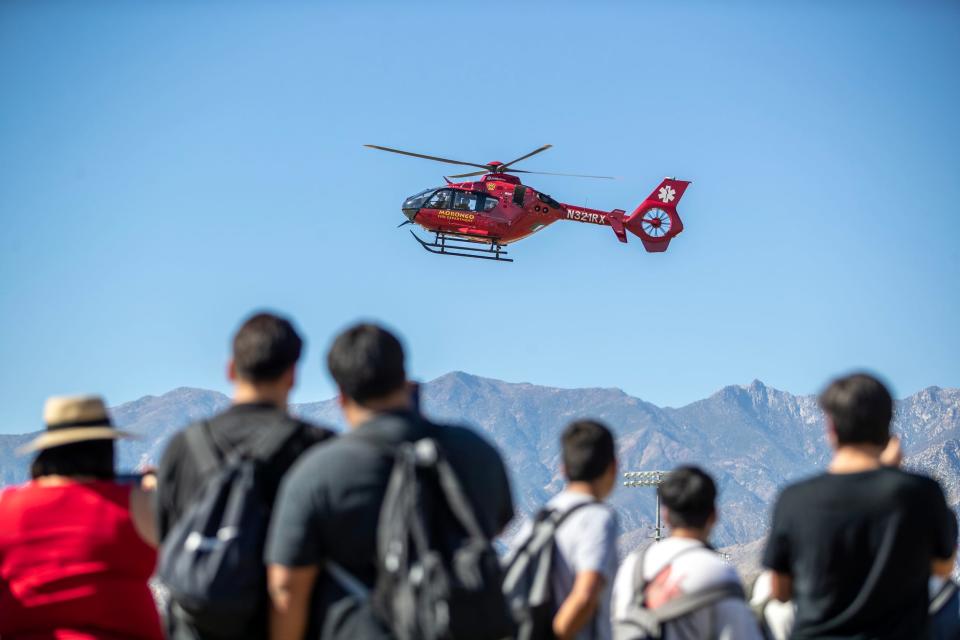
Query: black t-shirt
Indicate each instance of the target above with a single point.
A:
(179, 480)
(858, 547)
(329, 503)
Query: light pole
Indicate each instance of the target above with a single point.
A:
(647, 479)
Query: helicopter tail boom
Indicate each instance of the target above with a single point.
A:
(655, 221)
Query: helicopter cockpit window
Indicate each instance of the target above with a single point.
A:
(465, 201)
(442, 199)
(489, 202)
(416, 201)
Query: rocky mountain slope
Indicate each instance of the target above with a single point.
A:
(753, 438)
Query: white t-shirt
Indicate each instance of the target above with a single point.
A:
(779, 616)
(695, 569)
(586, 541)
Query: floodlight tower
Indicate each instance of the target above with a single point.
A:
(647, 479)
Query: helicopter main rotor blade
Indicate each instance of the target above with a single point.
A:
(469, 175)
(426, 157)
(568, 175)
(532, 153)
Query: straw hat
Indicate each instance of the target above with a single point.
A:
(74, 419)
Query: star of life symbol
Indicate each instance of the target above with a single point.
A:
(667, 194)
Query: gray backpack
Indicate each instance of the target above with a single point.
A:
(438, 575)
(526, 582)
(642, 623)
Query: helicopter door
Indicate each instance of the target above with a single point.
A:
(519, 193)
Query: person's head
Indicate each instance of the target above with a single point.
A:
(859, 409)
(89, 459)
(589, 456)
(77, 441)
(366, 362)
(266, 349)
(688, 495)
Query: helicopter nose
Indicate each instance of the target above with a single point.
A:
(409, 211)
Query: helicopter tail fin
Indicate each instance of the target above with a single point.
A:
(656, 220)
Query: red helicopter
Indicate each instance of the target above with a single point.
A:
(498, 210)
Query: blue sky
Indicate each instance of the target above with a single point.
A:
(166, 168)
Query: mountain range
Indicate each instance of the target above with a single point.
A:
(754, 439)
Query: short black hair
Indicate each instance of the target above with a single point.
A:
(689, 494)
(265, 347)
(92, 458)
(588, 450)
(860, 408)
(366, 362)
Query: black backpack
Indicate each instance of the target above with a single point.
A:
(526, 582)
(438, 575)
(945, 612)
(212, 559)
(641, 623)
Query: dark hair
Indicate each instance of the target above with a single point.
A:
(860, 408)
(88, 458)
(588, 450)
(265, 347)
(366, 362)
(689, 494)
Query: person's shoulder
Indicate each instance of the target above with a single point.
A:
(310, 431)
(463, 443)
(913, 481)
(805, 487)
(461, 436)
(177, 446)
(591, 515)
(330, 456)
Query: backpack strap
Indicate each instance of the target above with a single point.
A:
(641, 583)
(427, 450)
(211, 454)
(569, 512)
(457, 499)
(203, 447)
(272, 440)
(347, 581)
(943, 596)
(688, 603)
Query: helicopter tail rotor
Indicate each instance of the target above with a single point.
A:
(656, 220)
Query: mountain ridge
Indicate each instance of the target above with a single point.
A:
(753, 438)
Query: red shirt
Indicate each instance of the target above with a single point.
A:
(72, 565)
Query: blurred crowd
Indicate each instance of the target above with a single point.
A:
(258, 525)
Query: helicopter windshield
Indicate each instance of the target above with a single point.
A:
(416, 201)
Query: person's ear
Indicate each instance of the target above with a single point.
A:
(290, 377)
(231, 370)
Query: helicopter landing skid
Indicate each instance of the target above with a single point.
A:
(448, 245)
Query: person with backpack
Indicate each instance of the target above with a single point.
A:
(573, 540)
(855, 547)
(680, 588)
(386, 531)
(216, 484)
